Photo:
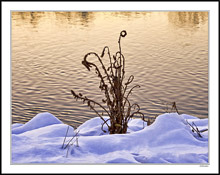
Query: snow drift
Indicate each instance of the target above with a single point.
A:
(168, 140)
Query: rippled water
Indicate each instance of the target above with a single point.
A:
(167, 52)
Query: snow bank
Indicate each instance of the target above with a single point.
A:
(168, 140)
(40, 120)
(93, 127)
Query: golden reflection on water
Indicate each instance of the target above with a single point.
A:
(180, 19)
(189, 20)
(167, 52)
(27, 17)
(73, 17)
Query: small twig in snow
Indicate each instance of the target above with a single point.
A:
(65, 136)
(71, 139)
(193, 129)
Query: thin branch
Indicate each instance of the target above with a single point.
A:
(86, 99)
(65, 136)
(193, 129)
(71, 139)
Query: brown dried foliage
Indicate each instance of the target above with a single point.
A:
(116, 94)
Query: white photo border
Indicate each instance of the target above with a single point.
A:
(211, 6)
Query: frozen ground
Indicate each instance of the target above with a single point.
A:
(168, 140)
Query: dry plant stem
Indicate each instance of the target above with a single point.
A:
(203, 130)
(175, 107)
(172, 109)
(88, 65)
(89, 104)
(116, 97)
(193, 129)
(71, 140)
(65, 136)
(68, 149)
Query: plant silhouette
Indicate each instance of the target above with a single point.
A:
(116, 94)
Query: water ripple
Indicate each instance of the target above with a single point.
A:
(167, 56)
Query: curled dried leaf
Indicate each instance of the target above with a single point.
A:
(123, 33)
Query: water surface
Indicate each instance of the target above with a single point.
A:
(167, 52)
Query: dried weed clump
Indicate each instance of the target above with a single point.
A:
(116, 93)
